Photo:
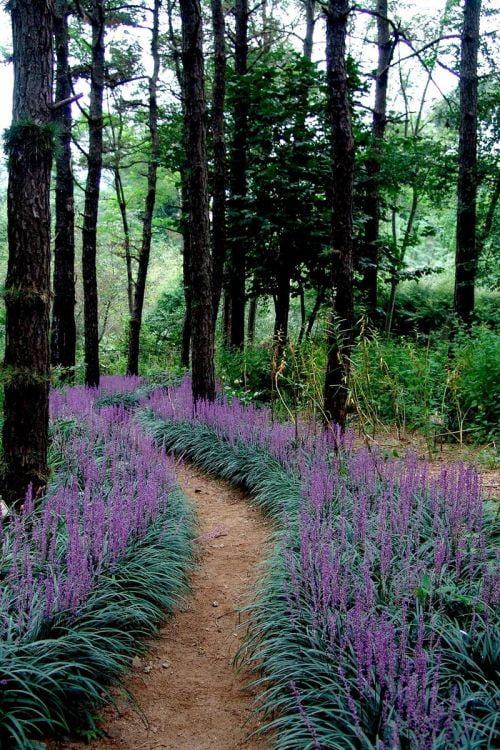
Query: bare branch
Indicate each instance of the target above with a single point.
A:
(63, 102)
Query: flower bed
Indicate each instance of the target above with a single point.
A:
(376, 625)
(89, 569)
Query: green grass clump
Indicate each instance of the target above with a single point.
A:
(440, 386)
(274, 490)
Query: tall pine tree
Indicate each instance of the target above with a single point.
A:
(92, 192)
(200, 270)
(467, 246)
(341, 326)
(63, 333)
(27, 288)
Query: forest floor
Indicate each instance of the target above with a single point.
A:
(186, 687)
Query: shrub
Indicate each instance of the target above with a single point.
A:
(445, 386)
(246, 373)
(426, 306)
(164, 322)
(474, 384)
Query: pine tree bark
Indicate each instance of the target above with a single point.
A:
(92, 191)
(202, 339)
(186, 265)
(320, 297)
(238, 182)
(122, 205)
(27, 288)
(63, 334)
(303, 318)
(340, 334)
(379, 123)
(226, 319)
(219, 154)
(310, 8)
(147, 229)
(186, 325)
(466, 255)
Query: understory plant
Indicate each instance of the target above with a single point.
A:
(445, 386)
(376, 623)
(88, 570)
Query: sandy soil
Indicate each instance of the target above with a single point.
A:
(186, 687)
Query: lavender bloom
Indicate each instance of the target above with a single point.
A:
(115, 483)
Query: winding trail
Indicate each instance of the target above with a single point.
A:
(186, 686)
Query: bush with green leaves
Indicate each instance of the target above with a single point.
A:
(246, 373)
(164, 323)
(441, 385)
(474, 382)
(426, 306)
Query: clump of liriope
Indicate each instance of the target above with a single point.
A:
(376, 625)
(88, 571)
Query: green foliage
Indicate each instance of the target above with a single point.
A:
(444, 387)
(447, 389)
(246, 373)
(164, 322)
(285, 216)
(426, 305)
(474, 382)
(34, 139)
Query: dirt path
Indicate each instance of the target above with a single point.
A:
(187, 688)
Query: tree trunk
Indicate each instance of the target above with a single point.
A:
(252, 319)
(122, 205)
(63, 335)
(401, 258)
(186, 338)
(466, 248)
(186, 266)
(27, 288)
(320, 296)
(202, 339)
(379, 122)
(147, 229)
(303, 320)
(186, 252)
(310, 8)
(340, 335)
(92, 190)
(219, 152)
(238, 182)
(226, 319)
